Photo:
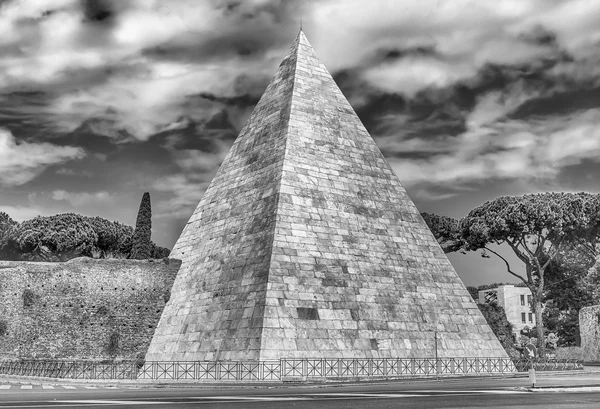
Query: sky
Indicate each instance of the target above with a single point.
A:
(103, 100)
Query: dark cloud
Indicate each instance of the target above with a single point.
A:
(247, 30)
(209, 49)
(558, 103)
(392, 54)
(245, 100)
(539, 35)
(205, 136)
(98, 11)
(95, 136)
(22, 112)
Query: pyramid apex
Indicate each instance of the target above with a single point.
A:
(302, 37)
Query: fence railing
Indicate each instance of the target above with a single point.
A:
(281, 370)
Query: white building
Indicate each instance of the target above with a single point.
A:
(516, 302)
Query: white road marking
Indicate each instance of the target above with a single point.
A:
(491, 391)
(112, 402)
(5, 386)
(47, 387)
(251, 398)
(69, 387)
(366, 395)
(91, 387)
(26, 386)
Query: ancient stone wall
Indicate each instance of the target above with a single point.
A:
(589, 328)
(83, 308)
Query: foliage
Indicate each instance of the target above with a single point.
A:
(570, 353)
(65, 236)
(113, 237)
(537, 228)
(502, 328)
(496, 285)
(54, 238)
(474, 293)
(528, 335)
(141, 244)
(28, 297)
(140, 360)
(159, 252)
(6, 223)
(446, 231)
(3, 328)
(113, 343)
(564, 295)
(7, 226)
(591, 282)
(551, 340)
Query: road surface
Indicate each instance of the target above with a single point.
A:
(459, 393)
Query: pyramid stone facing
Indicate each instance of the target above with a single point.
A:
(306, 245)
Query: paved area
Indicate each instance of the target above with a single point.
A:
(577, 390)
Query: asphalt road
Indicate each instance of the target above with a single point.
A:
(458, 393)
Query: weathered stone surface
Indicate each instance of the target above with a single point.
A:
(589, 329)
(76, 306)
(306, 245)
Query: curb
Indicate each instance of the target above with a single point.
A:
(150, 383)
(560, 389)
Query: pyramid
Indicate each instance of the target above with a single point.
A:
(306, 245)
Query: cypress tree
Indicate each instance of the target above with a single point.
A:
(141, 245)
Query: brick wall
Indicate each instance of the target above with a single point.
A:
(71, 310)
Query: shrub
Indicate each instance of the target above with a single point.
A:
(113, 343)
(96, 252)
(28, 297)
(141, 247)
(3, 328)
(140, 360)
(569, 353)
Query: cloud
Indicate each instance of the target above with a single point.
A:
(22, 213)
(21, 162)
(135, 62)
(507, 150)
(187, 187)
(408, 76)
(79, 199)
(186, 191)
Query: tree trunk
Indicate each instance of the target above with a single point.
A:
(539, 324)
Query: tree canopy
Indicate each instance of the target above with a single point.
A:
(65, 236)
(566, 293)
(446, 231)
(537, 228)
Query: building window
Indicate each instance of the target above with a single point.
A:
(529, 300)
(522, 299)
(523, 317)
(530, 317)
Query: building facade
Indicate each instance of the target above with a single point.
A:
(516, 302)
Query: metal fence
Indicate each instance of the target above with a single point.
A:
(281, 370)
